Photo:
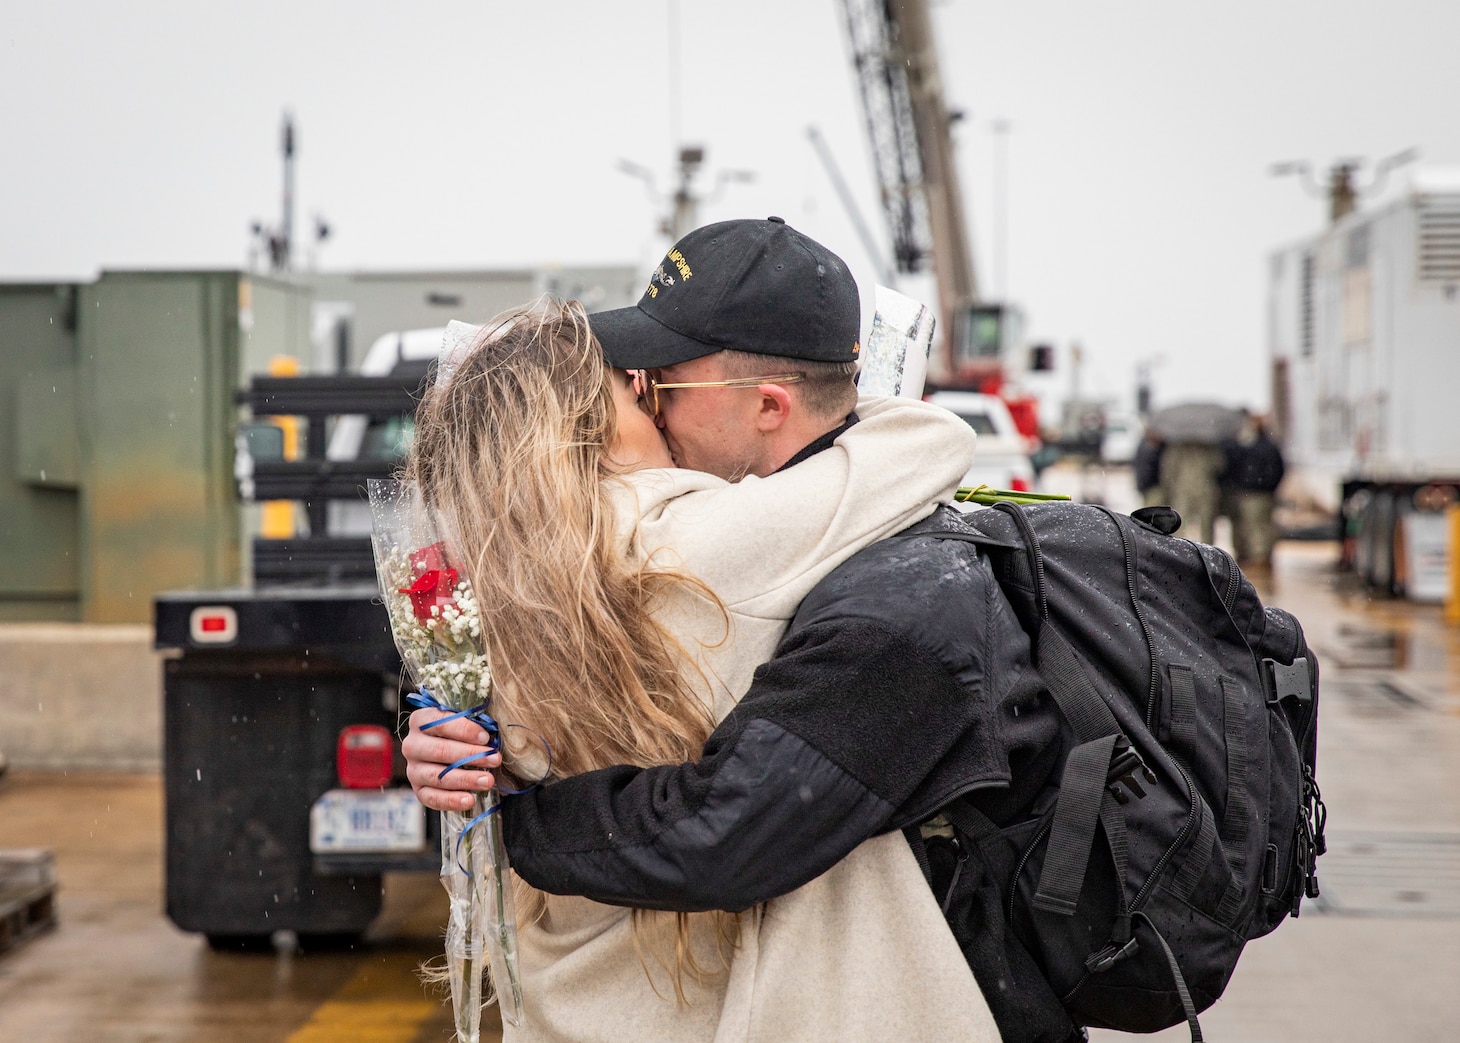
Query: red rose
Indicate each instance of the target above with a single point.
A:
(428, 558)
(435, 583)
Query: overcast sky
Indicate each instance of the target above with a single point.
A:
(1139, 208)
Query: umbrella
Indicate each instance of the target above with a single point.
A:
(1204, 422)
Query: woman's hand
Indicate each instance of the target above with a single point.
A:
(428, 753)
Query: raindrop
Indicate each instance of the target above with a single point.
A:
(199, 773)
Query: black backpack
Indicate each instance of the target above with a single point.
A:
(1186, 819)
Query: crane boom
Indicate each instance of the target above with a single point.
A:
(908, 123)
(891, 130)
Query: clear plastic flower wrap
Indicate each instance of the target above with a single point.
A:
(895, 360)
(436, 624)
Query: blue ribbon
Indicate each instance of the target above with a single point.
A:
(478, 715)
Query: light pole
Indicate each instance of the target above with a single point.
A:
(278, 241)
(1342, 193)
(1000, 131)
(681, 212)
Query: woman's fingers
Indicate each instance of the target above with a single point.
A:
(429, 753)
(461, 729)
(425, 748)
(430, 773)
(443, 799)
(456, 790)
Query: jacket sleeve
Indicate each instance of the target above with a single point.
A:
(818, 756)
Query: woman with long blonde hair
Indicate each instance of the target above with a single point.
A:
(625, 605)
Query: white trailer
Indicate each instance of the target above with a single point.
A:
(1364, 333)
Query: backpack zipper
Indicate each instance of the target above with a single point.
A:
(1031, 543)
(1153, 673)
(1039, 836)
(1191, 820)
(1229, 591)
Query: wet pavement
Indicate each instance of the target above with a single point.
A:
(1375, 958)
(115, 969)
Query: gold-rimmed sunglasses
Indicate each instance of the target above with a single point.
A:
(647, 388)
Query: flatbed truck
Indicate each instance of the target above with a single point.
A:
(284, 786)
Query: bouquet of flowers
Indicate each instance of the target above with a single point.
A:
(437, 629)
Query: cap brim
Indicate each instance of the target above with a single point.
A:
(634, 340)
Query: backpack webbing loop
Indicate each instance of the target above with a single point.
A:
(1181, 722)
(1236, 823)
(1082, 791)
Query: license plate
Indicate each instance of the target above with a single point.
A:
(345, 820)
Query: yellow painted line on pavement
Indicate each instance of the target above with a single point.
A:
(384, 1002)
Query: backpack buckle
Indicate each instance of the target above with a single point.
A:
(1287, 682)
(1125, 765)
(1108, 957)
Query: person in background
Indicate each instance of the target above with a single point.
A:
(1190, 476)
(1146, 468)
(1253, 468)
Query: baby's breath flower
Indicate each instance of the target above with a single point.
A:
(443, 652)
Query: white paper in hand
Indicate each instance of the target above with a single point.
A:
(895, 358)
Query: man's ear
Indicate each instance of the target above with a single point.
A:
(775, 408)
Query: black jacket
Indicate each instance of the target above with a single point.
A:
(1253, 467)
(903, 682)
(1146, 465)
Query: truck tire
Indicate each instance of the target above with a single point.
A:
(330, 941)
(1375, 558)
(241, 943)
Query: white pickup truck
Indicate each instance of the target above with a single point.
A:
(1001, 458)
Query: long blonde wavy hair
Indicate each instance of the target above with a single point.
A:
(511, 455)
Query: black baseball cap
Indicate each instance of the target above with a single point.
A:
(757, 286)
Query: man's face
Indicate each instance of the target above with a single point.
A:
(709, 429)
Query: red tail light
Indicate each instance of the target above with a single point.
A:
(363, 756)
(1019, 485)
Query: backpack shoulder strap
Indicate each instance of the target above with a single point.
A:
(1089, 716)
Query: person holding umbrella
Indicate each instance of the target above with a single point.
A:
(1193, 462)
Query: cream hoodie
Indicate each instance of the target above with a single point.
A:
(862, 952)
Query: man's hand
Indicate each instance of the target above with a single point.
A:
(428, 753)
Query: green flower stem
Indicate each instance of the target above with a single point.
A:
(510, 1004)
(986, 496)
